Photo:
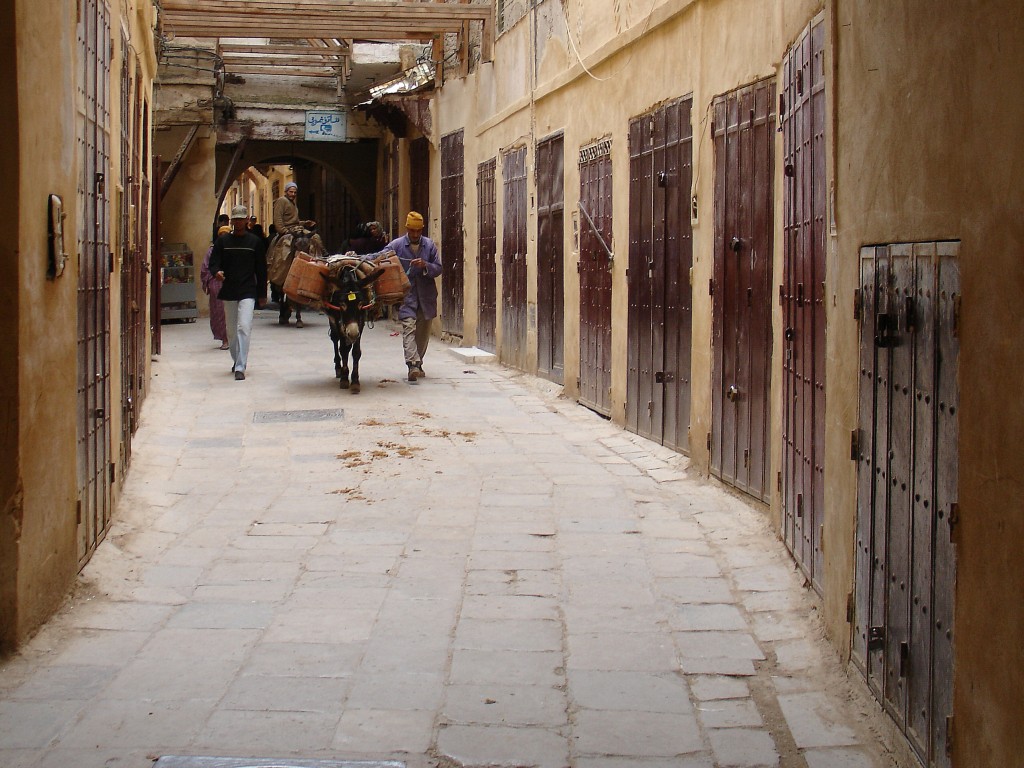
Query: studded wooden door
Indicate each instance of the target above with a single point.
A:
(486, 195)
(94, 248)
(452, 243)
(803, 302)
(513, 259)
(743, 130)
(660, 257)
(550, 258)
(596, 276)
(906, 450)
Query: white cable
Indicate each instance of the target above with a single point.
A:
(575, 50)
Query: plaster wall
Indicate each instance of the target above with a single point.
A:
(929, 148)
(47, 374)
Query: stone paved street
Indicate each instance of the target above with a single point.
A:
(469, 571)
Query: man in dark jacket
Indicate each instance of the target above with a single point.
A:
(239, 259)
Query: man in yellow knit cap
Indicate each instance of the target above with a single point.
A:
(422, 263)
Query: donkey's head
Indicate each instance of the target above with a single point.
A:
(351, 298)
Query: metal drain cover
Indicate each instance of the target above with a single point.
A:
(276, 417)
(179, 761)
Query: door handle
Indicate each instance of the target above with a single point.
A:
(732, 393)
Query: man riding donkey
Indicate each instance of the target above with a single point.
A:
(293, 235)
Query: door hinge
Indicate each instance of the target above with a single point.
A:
(709, 442)
(782, 295)
(954, 518)
(778, 481)
(113, 472)
(876, 638)
(691, 276)
(857, 304)
(850, 608)
(78, 513)
(711, 286)
(650, 408)
(799, 505)
(904, 659)
(949, 735)
(956, 317)
(855, 445)
(111, 257)
(821, 538)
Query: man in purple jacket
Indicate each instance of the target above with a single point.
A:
(422, 263)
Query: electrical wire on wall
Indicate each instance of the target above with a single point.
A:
(579, 58)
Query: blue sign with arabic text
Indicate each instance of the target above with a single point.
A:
(327, 125)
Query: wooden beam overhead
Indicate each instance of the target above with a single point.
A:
(233, 62)
(293, 50)
(290, 71)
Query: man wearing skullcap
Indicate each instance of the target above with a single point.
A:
(287, 222)
(422, 263)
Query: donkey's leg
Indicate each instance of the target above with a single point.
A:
(344, 376)
(357, 352)
(337, 339)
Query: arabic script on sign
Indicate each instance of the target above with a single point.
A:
(326, 125)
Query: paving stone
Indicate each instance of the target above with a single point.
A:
(687, 761)
(286, 694)
(510, 667)
(396, 691)
(710, 687)
(684, 565)
(222, 616)
(639, 734)
(629, 691)
(32, 724)
(497, 704)
(717, 666)
(710, 616)
(695, 590)
(172, 679)
(838, 757)
(743, 748)
(509, 634)
(729, 713)
(384, 732)
(152, 725)
(477, 745)
(814, 721)
(244, 732)
(509, 607)
(304, 659)
(710, 645)
(64, 681)
(631, 651)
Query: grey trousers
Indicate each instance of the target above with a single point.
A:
(415, 337)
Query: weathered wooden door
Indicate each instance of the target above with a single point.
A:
(94, 430)
(660, 257)
(486, 195)
(134, 236)
(419, 182)
(743, 130)
(452, 243)
(513, 259)
(596, 276)
(906, 450)
(803, 301)
(550, 258)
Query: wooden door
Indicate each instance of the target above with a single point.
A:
(660, 257)
(513, 259)
(907, 456)
(452, 243)
(803, 302)
(550, 258)
(743, 129)
(486, 195)
(596, 277)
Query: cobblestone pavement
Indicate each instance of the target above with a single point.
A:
(467, 570)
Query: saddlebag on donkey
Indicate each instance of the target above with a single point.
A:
(392, 286)
(306, 282)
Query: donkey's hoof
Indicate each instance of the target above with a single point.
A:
(343, 383)
(355, 387)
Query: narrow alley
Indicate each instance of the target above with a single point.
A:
(471, 570)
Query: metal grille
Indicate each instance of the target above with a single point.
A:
(660, 257)
(486, 269)
(550, 259)
(513, 260)
(803, 302)
(452, 242)
(907, 472)
(94, 250)
(744, 138)
(596, 278)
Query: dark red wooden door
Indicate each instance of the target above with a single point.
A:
(94, 247)
(452, 242)
(419, 183)
(596, 277)
(550, 258)
(513, 259)
(803, 302)
(743, 130)
(660, 257)
(486, 195)
(907, 472)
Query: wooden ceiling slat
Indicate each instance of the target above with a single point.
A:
(304, 9)
(291, 50)
(234, 62)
